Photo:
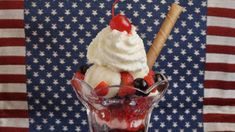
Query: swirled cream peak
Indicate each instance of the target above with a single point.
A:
(118, 51)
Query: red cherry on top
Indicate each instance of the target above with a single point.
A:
(119, 22)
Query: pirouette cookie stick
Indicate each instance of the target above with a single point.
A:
(163, 34)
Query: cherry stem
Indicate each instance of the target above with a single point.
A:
(113, 7)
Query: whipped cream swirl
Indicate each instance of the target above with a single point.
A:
(118, 51)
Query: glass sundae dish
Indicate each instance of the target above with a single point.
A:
(121, 113)
(118, 88)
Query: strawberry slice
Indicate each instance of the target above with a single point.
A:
(79, 75)
(125, 90)
(126, 82)
(102, 89)
(151, 72)
(149, 79)
(126, 78)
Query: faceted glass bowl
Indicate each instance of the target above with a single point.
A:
(119, 114)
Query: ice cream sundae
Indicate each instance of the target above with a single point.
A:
(118, 86)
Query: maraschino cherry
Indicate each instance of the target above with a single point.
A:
(119, 22)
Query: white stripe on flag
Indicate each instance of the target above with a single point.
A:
(221, 22)
(12, 14)
(13, 87)
(12, 51)
(13, 105)
(221, 3)
(218, 109)
(14, 122)
(219, 93)
(223, 76)
(220, 58)
(12, 69)
(219, 126)
(220, 40)
(12, 33)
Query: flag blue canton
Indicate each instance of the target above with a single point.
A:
(58, 32)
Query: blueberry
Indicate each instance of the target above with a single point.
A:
(158, 77)
(141, 84)
(84, 68)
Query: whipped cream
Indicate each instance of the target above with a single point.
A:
(119, 51)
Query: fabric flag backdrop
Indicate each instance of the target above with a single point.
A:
(219, 101)
(13, 95)
(56, 36)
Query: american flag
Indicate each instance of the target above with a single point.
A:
(13, 95)
(42, 43)
(219, 99)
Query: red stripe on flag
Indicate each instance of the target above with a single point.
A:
(219, 101)
(12, 60)
(13, 96)
(220, 49)
(12, 41)
(12, 79)
(219, 118)
(219, 84)
(221, 31)
(220, 67)
(11, 24)
(221, 12)
(13, 114)
(13, 129)
(11, 5)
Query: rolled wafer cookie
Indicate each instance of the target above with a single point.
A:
(163, 34)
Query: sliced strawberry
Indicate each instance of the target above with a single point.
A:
(76, 85)
(151, 72)
(126, 78)
(149, 79)
(79, 75)
(124, 91)
(102, 89)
